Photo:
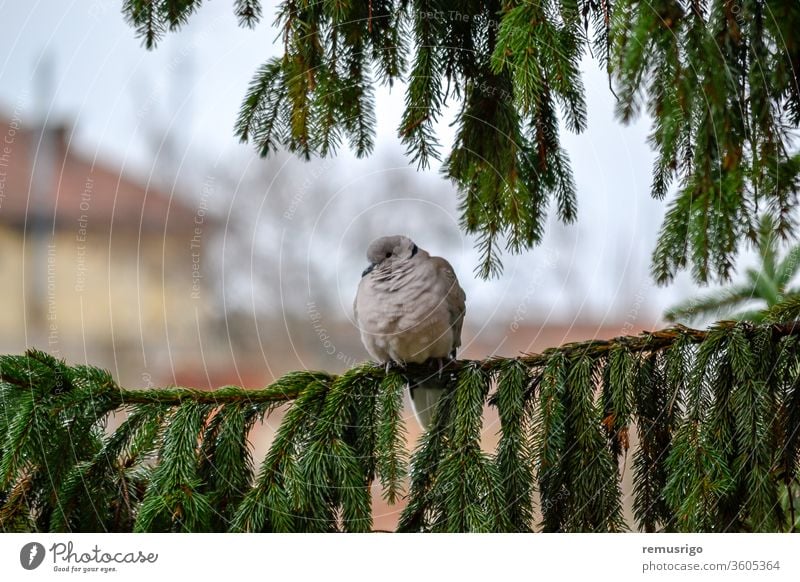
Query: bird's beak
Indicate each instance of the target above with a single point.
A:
(368, 270)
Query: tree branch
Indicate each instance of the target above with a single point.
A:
(288, 387)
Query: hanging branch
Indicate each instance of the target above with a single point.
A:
(711, 417)
(717, 78)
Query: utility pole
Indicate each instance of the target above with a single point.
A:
(40, 219)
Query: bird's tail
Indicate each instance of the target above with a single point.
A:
(425, 396)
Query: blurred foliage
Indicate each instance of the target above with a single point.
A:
(716, 416)
(717, 77)
(767, 286)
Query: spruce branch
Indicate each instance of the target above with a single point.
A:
(715, 412)
(720, 88)
(390, 451)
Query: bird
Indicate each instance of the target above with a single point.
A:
(410, 308)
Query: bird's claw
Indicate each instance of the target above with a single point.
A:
(389, 364)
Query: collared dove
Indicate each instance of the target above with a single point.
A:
(410, 308)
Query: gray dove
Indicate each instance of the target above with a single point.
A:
(410, 308)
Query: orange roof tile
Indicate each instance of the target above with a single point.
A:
(80, 188)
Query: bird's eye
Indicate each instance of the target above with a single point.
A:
(388, 255)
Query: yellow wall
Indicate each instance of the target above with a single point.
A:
(11, 310)
(138, 291)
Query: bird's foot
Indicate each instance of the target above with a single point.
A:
(389, 364)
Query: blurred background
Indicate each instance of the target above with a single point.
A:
(138, 235)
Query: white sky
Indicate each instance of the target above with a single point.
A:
(112, 90)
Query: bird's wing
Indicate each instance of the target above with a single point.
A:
(365, 297)
(455, 298)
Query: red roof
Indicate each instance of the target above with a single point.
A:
(80, 189)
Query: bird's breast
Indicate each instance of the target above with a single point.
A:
(406, 314)
(400, 302)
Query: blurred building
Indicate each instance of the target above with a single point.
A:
(98, 267)
(102, 268)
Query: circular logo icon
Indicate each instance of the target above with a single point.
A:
(31, 555)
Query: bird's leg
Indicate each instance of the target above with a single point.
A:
(442, 364)
(389, 364)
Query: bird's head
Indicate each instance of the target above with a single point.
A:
(389, 250)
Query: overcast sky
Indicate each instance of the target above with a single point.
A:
(117, 95)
